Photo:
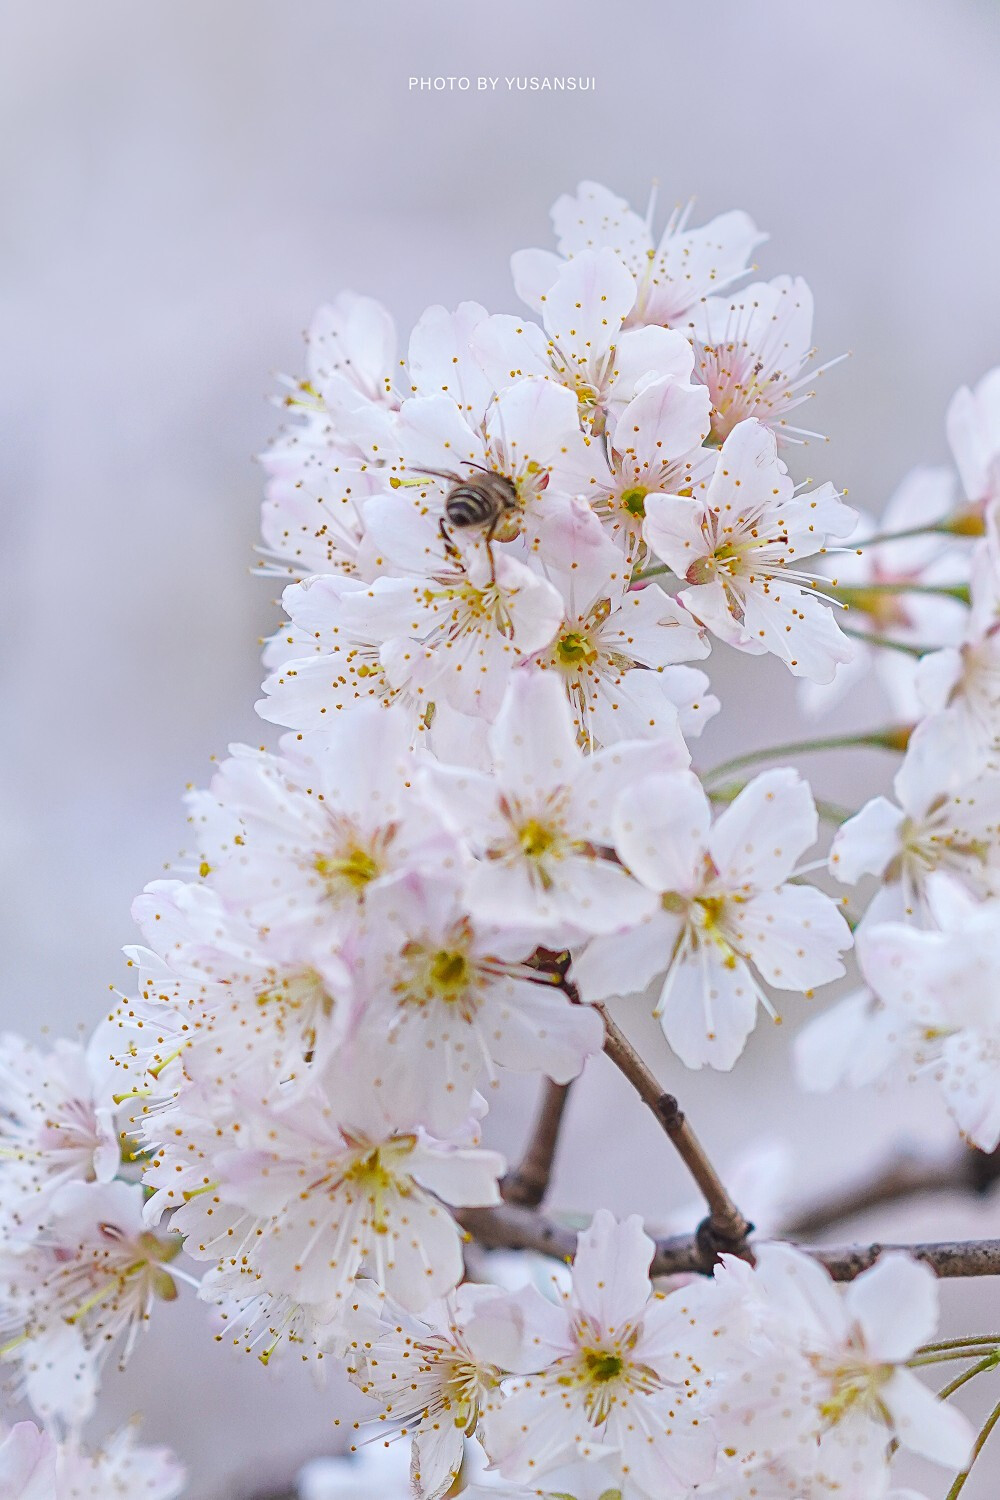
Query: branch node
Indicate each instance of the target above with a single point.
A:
(714, 1240)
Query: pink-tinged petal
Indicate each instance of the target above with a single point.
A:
(626, 962)
(803, 1295)
(664, 421)
(441, 359)
(533, 272)
(673, 530)
(661, 830)
(938, 675)
(713, 606)
(647, 355)
(352, 342)
(760, 837)
(510, 348)
(587, 303)
(941, 758)
(434, 435)
(28, 1464)
(536, 1029)
(423, 1255)
(896, 1305)
(464, 1177)
(797, 627)
(535, 426)
(654, 629)
(913, 972)
(606, 773)
(794, 936)
(749, 459)
(611, 1271)
(533, 605)
(638, 705)
(934, 1429)
(521, 1332)
(60, 1377)
(436, 1458)
(867, 843)
(593, 217)
(708, 1007)
(534, 747)
(852, 1044)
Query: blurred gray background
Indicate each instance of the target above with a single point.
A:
(181, 184)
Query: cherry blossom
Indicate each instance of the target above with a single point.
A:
(432, 1383)
(673, 275)
(973, 424)
(57, 1125)
(324, 824)
(34, 1466)
(69, 1298)
(540, 821)
(618, 652)
(656, 448)
(947, 818)
(334, 1198)
(608, 1374)
(438, 984)
(750, 352)
(883, 588)
(584, 343)
(939, 986)
(964, 678)
(727, 919)
(821, 1385)
(739, 543)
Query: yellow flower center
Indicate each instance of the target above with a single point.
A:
(535, 838)
(634, 501)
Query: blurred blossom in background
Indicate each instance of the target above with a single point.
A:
(182, 185)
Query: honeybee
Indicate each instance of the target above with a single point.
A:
(485, 501)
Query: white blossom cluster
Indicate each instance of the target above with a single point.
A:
(507, 547)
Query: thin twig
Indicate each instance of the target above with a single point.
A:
(725, 1225)
(985, 1364)
(905, 1175)
(528, 1183)
(896, 737)
(988, 1426)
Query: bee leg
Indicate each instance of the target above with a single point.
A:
(450, 550)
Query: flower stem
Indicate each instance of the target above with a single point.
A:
(855, 594)
(896, 737)
(989, 1363)
(989, 1340)
(963, 523)
(886, 642)
(943, 1356)
(988, 1426)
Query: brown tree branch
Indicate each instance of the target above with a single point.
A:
(528, 1183)
(904, 1175)
(726, 1228)
(512, 1228)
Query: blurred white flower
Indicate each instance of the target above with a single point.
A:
(34, 1466)
(817, 1384)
